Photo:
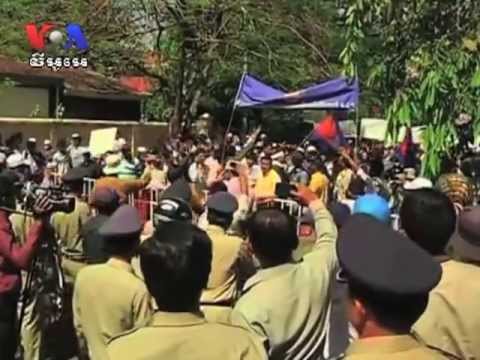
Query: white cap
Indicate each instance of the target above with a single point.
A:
(278, 155)
(32, 140)
(418, 183)
(142, 149)
(47, 142)
(311, 148)
(76, 136)
(300, 150)
(15, 160)
(205, 116)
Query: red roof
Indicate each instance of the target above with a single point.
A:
(74, 79)
(140, 84)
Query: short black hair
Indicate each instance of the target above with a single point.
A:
(219, 219)
(428, 218)
(393, 312)
(121, 247)
(356, 188)
(376, 168)
(175, 173)
(267, 158)
(176, 264)
(217, 186)
(297, 159)
(273, 234)
(447, 165)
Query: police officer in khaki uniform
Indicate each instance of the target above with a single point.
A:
(287, 303)
(176, 264)
(68, 227)
(229, 259)
(108, 298)
(389, 279)
(452, 319)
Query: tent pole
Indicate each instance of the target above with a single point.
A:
(230, 122)
(226, 133)
(358, 123)
(306, 138)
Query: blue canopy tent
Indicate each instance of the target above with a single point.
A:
(336, 94)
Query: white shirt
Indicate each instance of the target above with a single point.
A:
(76, 155)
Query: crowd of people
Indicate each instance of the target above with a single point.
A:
(255, 250)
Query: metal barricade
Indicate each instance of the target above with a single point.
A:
(88, 186)
(144, 200)
(294, 209)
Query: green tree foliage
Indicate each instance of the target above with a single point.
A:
(425, 67)
(196, 49)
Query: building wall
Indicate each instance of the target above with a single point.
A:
(24, 102)
(100, 108)
(150, 135)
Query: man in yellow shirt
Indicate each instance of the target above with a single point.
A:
(319, 182)
(265, 186)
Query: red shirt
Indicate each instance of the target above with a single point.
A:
(14, 257)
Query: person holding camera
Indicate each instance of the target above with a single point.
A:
(13, 259)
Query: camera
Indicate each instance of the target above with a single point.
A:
(57, 197)
(284, 190)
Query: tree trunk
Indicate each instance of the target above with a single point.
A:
(176, 123)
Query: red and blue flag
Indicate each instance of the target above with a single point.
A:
(327, 134)
(406, 151)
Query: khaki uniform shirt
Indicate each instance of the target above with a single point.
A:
(68, 227)
(289, 305)
(390, 347)
(68, 231)
(186, 336)
(108, 300)
(20, 226)
(222, 282)
(452, 319)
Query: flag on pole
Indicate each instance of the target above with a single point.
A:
(406, 151)
(327, 134)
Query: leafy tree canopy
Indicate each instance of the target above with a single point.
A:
(425, 67)
(195, 49)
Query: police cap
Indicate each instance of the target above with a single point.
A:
(172, 209)
(376, 258)
(124, 222)
(222, 202)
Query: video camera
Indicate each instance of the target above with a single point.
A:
(57, 197)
